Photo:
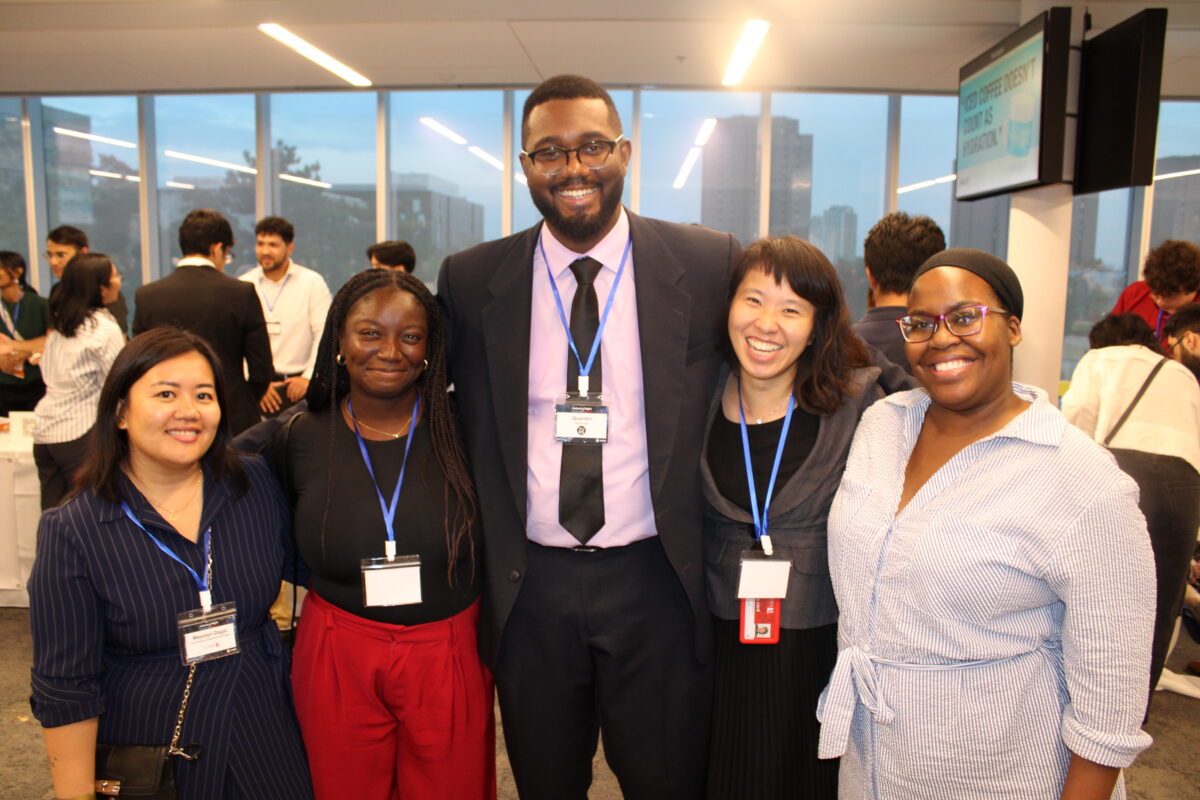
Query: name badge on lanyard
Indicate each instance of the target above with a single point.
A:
(392, 580)
(763, 580)
(274, 326)
(210, 631)
(581, 417)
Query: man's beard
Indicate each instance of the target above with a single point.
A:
(1190, 360)
(581, 227)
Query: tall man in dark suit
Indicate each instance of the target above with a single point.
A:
(595, 617)
(199, 298)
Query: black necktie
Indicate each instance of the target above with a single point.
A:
(581, 481)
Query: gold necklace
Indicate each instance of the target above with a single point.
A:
(171, 515)
(758, 419)
(358, 421)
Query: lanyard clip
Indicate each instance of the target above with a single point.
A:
(766, 544)
(206, 600)
(389, 549)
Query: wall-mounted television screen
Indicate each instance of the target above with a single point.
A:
(1012, 108)
(1118, 104)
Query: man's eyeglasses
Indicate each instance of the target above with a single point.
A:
(965, 321)
(551, 160)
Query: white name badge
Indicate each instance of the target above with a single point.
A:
(391, 582)
(579, 421)
(763, 577)
(274, 327)
(208, 635)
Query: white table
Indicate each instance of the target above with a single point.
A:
(20, 509)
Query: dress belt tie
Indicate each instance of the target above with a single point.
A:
(856, 679)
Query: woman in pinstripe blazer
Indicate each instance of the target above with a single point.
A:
(118, 562)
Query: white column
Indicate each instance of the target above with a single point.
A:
(1039, 250)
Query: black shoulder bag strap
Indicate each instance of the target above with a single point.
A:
(1136, 398)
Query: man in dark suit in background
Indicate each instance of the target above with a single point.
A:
(199, 298)
(595, 617)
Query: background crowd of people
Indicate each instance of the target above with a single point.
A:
(631, 478)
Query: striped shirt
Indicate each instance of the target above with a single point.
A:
(74, 369)
(1000, 622)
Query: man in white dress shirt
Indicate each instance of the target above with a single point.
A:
(294, 300)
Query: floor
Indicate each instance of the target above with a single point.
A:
(1169, 770)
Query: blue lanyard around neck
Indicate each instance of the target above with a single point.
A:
(270, 304)
(586, 368)
(201, 580)
(389, 511)
(760, 520)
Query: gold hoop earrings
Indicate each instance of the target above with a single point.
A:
(426, 365)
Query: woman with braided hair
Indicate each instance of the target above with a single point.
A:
(392, 698)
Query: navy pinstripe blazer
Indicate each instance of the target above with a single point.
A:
(103, 602)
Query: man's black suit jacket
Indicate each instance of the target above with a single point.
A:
(226, 312)
(681, 275)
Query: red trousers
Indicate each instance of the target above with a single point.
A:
(390, 712)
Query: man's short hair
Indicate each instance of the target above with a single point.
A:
(1185, 320)
(394, 253)
(1119, 329)
(276, 226)
(68, 235)
(897, 245)
(567, 87)
(12, 263)
(1173, 268)
(201, 229)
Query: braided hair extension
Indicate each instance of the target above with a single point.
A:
(331, 382)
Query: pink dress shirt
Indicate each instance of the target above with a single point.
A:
(628, 512)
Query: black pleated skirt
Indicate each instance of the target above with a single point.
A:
(765, 729)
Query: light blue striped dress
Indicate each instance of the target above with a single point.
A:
(999, 623)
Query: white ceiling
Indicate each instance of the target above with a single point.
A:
(123, 46)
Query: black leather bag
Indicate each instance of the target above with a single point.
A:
(134, 770)
(146, 771)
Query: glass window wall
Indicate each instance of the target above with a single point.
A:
(13, 233)
(92, 176)
(844, 140)
(1177, 174)
(446, 172)
(206, 159)
(699, 159)
(324, 177)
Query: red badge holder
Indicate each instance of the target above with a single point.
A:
(760, 621)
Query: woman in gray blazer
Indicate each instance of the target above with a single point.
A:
(779, 430)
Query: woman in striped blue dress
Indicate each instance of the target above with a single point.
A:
(168, 520)
(992, 571)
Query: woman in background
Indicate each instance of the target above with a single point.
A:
(783, 417)
(83, 342)
(992, 571)
(167, 518)
(392, 697)
(1157, 444)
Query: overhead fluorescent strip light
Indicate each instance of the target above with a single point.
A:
(743, 53)
(212, 162)
(1183, 174)
(434, 125)
(94, 138)
(912, 187)
(685, 169)
(313, 53)
(305, 181)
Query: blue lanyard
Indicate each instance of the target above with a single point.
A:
(271, 305)
(201, 581)
(586, 368)
(1158, 328)
(760, 521)
(389, 511)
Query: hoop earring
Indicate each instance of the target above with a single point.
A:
(340, 359)
(426, 365)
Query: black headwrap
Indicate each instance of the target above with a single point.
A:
(996, 273)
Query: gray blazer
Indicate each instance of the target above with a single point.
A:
(799, 513)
